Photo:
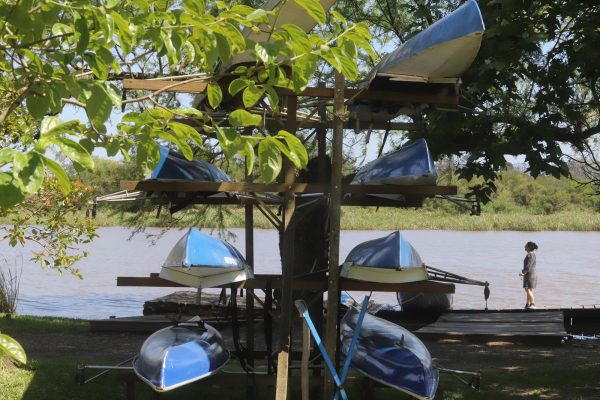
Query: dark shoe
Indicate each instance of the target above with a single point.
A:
(526, 306)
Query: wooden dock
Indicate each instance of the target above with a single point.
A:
(539, 326)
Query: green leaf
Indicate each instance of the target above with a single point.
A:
(114, 94)
(250, 156)
(195, 6)
(108, 59)
(74, 151)
(252, 94)
(38, 105)
(98, 67)
(147, 154)
(215, 96)
(124, 32)
(180, 142)
(112, 146)
(243, 118)
(223, 47)
(314, 9)
(269, 159)
(259, 16)
(348, 66)
(330, 56)
(210, 51)
(111, 3)
(12, 348)
(10, 192)
(230, 141)
(49, 123)
(61, 29)
(52, 126)
(28, 171)
(190, 111)
(299, 38)
(273, 97)
(82, 34)
(338, 16)
(234, 36)
(59, 173)
(7, 155)
(299, 155)
(267, 52)
(302, 70)
(237, 85)
(98, 106)
(186, 132)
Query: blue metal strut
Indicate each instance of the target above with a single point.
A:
(339, 381)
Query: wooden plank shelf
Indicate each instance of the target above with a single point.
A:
(186, 186)
(179, 86)
(429, 94)
(319, 284)
(360, 200)
(539, 327)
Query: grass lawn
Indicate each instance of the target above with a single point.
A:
(570, 371)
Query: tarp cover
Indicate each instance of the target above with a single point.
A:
(409, 165)
(173, 165)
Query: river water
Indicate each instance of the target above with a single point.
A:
(568, 267)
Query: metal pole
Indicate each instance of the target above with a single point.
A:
(249, 227)
(333, 291)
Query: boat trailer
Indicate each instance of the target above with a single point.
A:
(436, 274)
(80, 376)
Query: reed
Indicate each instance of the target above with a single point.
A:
(10, 280)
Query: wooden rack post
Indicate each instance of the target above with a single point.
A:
(333, 290)
(287, 267)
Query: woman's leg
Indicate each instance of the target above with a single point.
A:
(528, 300)
(530, 297)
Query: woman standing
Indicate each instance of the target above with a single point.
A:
(529, 274)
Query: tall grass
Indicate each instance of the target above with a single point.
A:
(9, 286)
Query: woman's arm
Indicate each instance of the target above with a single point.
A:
(527, 263)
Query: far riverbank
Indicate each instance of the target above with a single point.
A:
(362, 218)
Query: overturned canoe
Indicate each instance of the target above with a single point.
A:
(389, 259)
(428, 65)
(440, 53)
(424, 302)
(408, 165)
(181, 354)
(202, 261)
(390, 354)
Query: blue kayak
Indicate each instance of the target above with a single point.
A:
(387, 259)
(408, 165)
(202, 261)
(178, 355)
(390, 354)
